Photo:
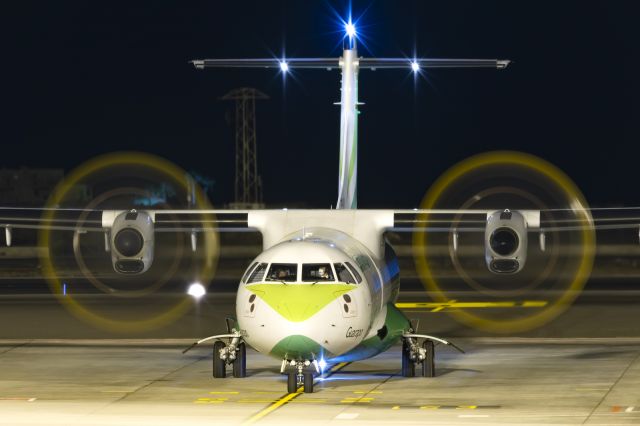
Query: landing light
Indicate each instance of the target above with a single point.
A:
(196, 290)
(322, 364)
(415, 66)
(284, 67)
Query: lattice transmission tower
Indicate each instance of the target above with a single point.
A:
(248, 184)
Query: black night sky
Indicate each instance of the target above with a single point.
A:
(85, 78)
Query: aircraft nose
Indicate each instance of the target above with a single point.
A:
(299, 302)
(297, 346)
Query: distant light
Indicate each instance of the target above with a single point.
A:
(64, 289)
(415, 66)
(196, 290)
(350, 29)
(284, 67)
(322, 364)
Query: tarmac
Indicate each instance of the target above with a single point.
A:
(150, 382)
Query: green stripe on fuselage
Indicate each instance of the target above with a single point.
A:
(297, 346)
(299, 302)
(396, 324)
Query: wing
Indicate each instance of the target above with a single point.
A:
(82, 220)
(552, 220)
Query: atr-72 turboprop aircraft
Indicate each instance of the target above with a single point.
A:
(323, 290)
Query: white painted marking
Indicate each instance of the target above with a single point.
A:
(473, 415)
(629, 410)
(346, 416)
(31, 399)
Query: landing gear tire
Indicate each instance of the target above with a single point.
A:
(219, 365)
(292, 382)
(308, 383)
(428, 365)
(408, 367)
(240, 363)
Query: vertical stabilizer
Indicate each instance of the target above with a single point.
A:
(348, 170)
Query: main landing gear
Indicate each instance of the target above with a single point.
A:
(419, 355)
(233, 353)
(299, 374)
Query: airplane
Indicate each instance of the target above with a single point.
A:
(324, 288)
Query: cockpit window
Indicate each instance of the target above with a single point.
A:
(343, 273)
(249, 269)
(283, 272)
(316, 272)
(258, 273)
(355, 273)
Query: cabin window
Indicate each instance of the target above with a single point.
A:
(287, 272)
(249, 269)
(317, 272)
(354, 272)
(343, 273)
(258, 273)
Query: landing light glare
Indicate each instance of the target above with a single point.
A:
(284, 67)
(322, 364)
(415, 66)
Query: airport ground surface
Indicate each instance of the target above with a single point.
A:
(595, 313)
(56, 368)
(498, 380)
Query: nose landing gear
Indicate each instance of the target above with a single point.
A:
(299, 374)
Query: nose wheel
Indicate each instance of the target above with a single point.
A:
(299, 374)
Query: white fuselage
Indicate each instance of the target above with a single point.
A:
(305, 319)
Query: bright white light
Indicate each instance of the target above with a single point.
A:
(196, 290)
(350, 29)
(322, 364)
(284, 67)
(415, 66)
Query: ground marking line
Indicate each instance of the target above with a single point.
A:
(454, 304)
(17, 398)
(288, 397)
(633, 361)
(346, 416)
(151, 382)
(15, 347)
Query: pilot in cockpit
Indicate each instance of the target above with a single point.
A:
(322, 273)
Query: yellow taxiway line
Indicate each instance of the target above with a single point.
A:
(454, 304)
(288, 397)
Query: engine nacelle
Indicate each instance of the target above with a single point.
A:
(505, 245)
(132, 241)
